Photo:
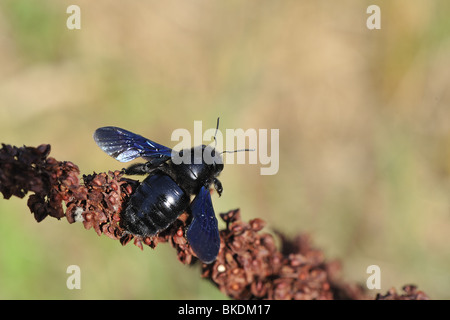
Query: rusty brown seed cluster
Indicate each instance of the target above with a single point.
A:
(411, 293)
(249, 264)
(28, 169)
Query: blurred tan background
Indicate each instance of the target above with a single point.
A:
(364, 120)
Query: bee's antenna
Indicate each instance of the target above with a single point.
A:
(215, 140)
(217, 128)
(226, 151)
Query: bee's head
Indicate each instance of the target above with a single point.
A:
(212, 158)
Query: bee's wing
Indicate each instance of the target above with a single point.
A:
(203, 232)
(125, 146)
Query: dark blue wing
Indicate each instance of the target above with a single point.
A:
(203, 232)
(125, 146)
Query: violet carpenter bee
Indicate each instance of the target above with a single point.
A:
(166, 192)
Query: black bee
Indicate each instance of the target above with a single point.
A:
(166, 192)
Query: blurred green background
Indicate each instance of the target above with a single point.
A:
(364, 120)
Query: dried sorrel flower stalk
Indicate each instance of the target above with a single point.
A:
(249, 265)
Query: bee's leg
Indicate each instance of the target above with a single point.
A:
(136, 169)
(140, 168)
(218, 186)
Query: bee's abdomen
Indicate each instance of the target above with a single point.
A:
(156, 204)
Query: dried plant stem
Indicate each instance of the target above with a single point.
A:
(249, 265)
